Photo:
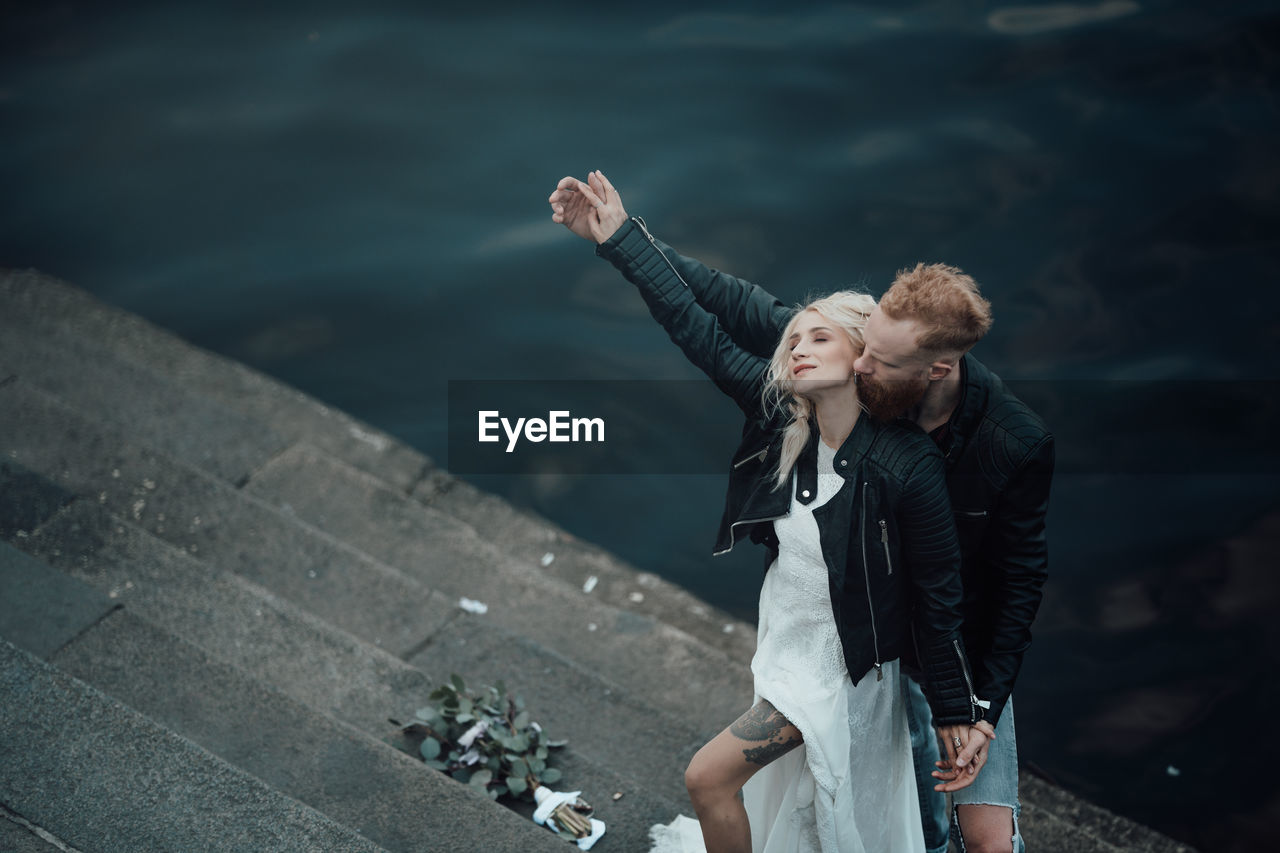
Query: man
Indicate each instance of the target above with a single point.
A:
(999, 461)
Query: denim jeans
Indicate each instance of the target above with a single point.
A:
(997, 783)
(924, 752)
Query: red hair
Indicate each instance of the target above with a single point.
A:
(944, 301)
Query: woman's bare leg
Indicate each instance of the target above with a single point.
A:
(720, 769)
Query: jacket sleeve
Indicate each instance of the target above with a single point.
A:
(1016, 554)
(931, 550)
(695, 330)
(752, 316)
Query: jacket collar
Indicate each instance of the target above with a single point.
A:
(975, 389)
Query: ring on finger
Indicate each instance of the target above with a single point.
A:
(956, 741)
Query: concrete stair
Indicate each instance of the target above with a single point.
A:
(254, 579)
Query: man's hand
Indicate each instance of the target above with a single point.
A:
(592, 210)
(961, 765)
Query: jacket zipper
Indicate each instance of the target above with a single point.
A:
(972, 513)
(644, 229)
(884, 540)
(866, 574)
(974, 702)
(746, 459)
(733, 537)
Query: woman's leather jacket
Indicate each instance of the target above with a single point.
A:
(887, 535)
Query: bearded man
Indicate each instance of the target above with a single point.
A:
(999, 460)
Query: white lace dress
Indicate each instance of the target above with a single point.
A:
(850, 788)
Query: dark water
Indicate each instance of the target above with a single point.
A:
(354, 201)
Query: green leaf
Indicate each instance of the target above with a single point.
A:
(462, 774)
(458, 683)
(556, 744)
(541, 754)
(430, 749)
(494, 793)
(517, 784)
(550, 776)
(537, 765)
(464, 718)
(521, 722)
(519, 768)
(437, 765)
(480, 779)
(427, 713)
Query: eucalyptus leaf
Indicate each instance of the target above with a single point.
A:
(462, 774)
(430, 749)
(494, 793)
(556, 744)
(437, 765)
(464, 718)
(537, 765)
(458, 683)
(481, 779)
(519, 768)
(521, 722)
(517, 784)
(550, 776)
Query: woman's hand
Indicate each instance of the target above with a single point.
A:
(592, 210)
(963, 760)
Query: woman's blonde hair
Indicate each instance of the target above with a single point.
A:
(847, 310)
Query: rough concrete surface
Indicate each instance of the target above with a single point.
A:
(101, 776)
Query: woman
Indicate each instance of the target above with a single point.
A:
(856, 517)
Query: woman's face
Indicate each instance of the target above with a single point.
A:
(822, 355)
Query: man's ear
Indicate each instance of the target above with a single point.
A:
(942, 367)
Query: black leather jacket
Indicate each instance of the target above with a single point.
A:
(999, 465)
(887, 535)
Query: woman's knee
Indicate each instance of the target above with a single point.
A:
(706, 778)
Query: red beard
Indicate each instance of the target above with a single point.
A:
(890, 399)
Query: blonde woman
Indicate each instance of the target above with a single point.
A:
(855, 515)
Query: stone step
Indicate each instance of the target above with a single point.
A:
(669, 668)
(573, 561)
(220, 416)
(1065, 822)
(239, 532)
(17, 836)
(153, 410)
(39, 305)
(384, 795)
(210, 519)
(98, 775)
(334, 673)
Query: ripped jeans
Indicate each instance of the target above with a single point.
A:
(997, 783)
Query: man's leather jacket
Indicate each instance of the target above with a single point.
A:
(999, 464)
(887, 535)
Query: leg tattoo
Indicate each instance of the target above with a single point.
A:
(765, 723)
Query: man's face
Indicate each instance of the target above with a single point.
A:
(892, 372)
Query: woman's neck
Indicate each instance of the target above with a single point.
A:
(836, 415)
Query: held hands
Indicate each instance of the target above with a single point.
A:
(592, 210)
(960, 766)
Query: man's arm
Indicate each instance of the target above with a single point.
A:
(752, 317)
(1016, 559)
